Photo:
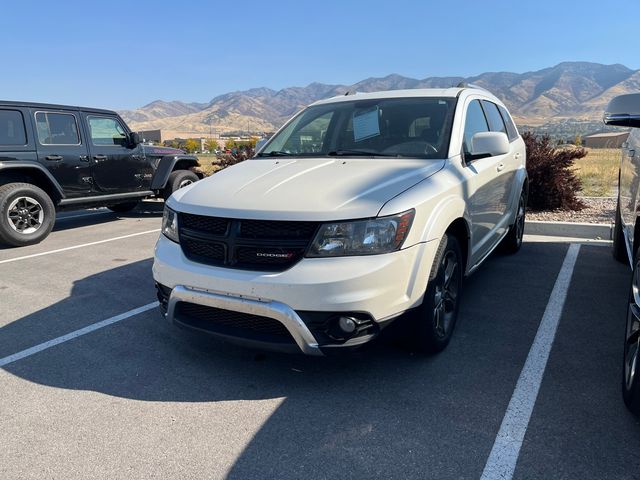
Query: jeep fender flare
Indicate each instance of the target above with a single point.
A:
(46, 181)
(167, 165)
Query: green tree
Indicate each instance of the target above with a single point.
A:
(191, 145)
(577, 141)
(211, 145)
(230, 144)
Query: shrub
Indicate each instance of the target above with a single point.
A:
(553, 185)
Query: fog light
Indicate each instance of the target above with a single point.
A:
(347, 324)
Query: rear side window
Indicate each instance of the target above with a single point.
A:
(496, 124)
(57, 128)
(512, 131)
(475, 122)
(12, 130)
(107, 131)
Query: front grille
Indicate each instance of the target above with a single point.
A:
(213, 225)
(244, 244)
(228, 322)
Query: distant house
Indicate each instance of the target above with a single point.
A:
(605, 140)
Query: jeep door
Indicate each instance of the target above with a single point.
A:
(118, 167)
(486, 191)
(62, 150)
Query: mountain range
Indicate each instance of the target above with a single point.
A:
(569, 91)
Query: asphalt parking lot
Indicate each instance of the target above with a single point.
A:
(134, 397)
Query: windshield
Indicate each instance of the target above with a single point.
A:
(417, 127)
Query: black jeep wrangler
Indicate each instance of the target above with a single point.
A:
(55, 157)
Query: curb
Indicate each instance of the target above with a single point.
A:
(593, 231)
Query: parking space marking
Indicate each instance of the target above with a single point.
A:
(506, 449)
(75, 334)
(78, 246)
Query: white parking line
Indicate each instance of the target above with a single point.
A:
(506, 448)
(77, 246)
(75, 334)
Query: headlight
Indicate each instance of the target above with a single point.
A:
(170, 224)
(362, 237)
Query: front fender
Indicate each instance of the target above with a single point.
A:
(167, 165)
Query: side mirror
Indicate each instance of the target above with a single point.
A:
(623, 111)
(489, 144)
(134, 139)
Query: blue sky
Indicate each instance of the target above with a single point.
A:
(126, 54)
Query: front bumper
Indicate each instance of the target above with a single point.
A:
(376, 288)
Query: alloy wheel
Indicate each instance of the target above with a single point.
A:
(25, 215)
(446, 294)
(632, 332)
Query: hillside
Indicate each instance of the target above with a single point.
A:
(576, 91)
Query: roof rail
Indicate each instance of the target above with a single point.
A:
(471, 85)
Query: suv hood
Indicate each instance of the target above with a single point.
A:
(154, 151)
(309, 189)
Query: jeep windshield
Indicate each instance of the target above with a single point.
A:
(416, 127)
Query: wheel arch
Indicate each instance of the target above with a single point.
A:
(34, 174)
(459, 228)
(170, 163)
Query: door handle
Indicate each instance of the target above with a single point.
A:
(54, 158)
(84, 158)
(632, 153)
(99, 158)
(500, 167)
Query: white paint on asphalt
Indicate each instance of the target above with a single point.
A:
(9, 260)
(75, 334)
(506, 449)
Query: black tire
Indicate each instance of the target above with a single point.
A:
(123, 207)
(631, 357)
(27, 214)
(433, 322)
(619, 248)
(512, 242)
(177, 180)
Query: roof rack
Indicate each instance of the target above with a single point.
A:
(471, 85)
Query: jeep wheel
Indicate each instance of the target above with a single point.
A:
(177, 180)
(631, 360)
(123, 207)
(513, 240)
(433, 322)
(27, 214)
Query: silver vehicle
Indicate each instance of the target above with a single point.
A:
(624, 111)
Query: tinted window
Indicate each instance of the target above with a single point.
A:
(474, 122)
(512, 131)
(389, 127)
(496, 124)
(12, 128)
(57, 128)
(107, 131)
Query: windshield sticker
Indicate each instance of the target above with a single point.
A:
(365, 124)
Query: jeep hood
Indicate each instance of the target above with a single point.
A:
(322, 189)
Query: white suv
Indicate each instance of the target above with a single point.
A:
(362, 209)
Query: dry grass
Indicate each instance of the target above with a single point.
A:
(208, 163)
(598, 172)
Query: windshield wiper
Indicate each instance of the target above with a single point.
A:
(275, 153)
(356, 153)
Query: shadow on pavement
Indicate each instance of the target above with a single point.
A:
(382, 412)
